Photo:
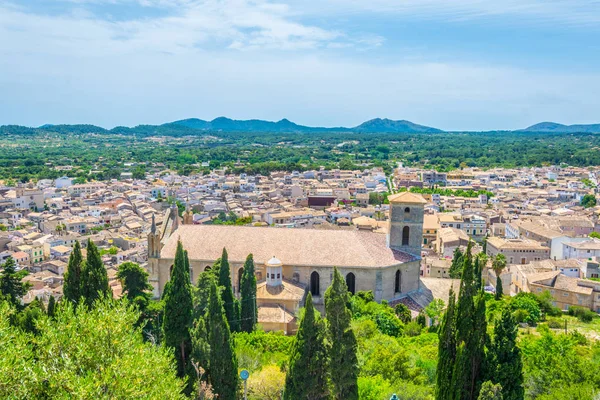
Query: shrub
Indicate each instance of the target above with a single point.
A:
(413, 329)
(526, 307)
(555, 323)
(403, 313)
(583, 314)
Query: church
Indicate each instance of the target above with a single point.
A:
(387, 264)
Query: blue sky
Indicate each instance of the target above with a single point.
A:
(451, 64)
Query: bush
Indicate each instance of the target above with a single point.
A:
(388, 323)
(583, 314)
(403, 313)
(413, 329)
(526, 307)
(555, 323)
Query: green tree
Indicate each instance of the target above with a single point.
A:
(307, 376)
(434, 310)
(506, 357)
(227, 293)
(589, 200)
(94, 279)
(499, 289)
(457, 264)
(177, 319)
(72, 279)
(94, 353)
(249, 310)
(403, 313)
(489, 391)
(342, 353)
(446, 352)
(134, 280)
(12, 286)
(51, 311)
(595, 235)
(222, 373)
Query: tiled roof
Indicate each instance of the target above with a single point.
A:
(407, 197)
(312, 247)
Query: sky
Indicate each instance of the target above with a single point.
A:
(450, 64)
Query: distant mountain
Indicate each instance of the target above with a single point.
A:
(388, 125)
(252, 125)
(560, 128)
(257, 125)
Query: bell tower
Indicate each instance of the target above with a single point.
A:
(405, 231)
(154, 245)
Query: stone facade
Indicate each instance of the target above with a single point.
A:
(387, 281)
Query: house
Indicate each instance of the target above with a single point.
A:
(586, 249)
(517, 251)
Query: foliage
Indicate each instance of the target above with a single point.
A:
(72, 278)
(11, 285)
(307, 377)
(506, 362)
(434, 310)
(266, 384)
(490, 391)
(249, 310)
(94, 353)
(413, 328)
(583, 314)
(222, 374)
(526, 308)
(457, 264)
(342, 352)
(134, 280)
(588, 200)
(227, 293)
(595, 235)
(403, 313)
(94, 279)
(177, 319)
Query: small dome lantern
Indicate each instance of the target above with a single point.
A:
(274, 272)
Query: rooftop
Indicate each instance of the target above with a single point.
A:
(342, 248)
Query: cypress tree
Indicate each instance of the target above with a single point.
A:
(94, 279)
(72, 283)
(227, 293)
(177, 319)
(477, 267)
(11, 284)
(307, 376)
(506, 358)
(249, 310)
(499, 290)
(342, 353)
(200, 353)
(465, 306)
(222, 372)
(446, 352)
(457, 264)
(51, 307)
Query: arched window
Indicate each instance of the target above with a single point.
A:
(398, 282)
(240, 273)
(407, 210)
(207, 268)
(351, 282)
(314, 284)
(405, 235)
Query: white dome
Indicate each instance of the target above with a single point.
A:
(274, 262)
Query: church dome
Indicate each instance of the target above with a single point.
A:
(274, 262)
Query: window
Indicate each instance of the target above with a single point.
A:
(398, 282)
(351, 282)
(407, 210)
(278, 276)
(314, 284)
(405, 235)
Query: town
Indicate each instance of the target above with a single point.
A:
(544, 221)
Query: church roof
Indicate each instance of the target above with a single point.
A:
(407, 197)
(310, 247)
(286, 291)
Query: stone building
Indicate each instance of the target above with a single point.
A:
(386, 264)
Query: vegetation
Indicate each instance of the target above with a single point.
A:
(99, 154)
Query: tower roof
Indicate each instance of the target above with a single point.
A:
(407, 197)
(274, 262)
